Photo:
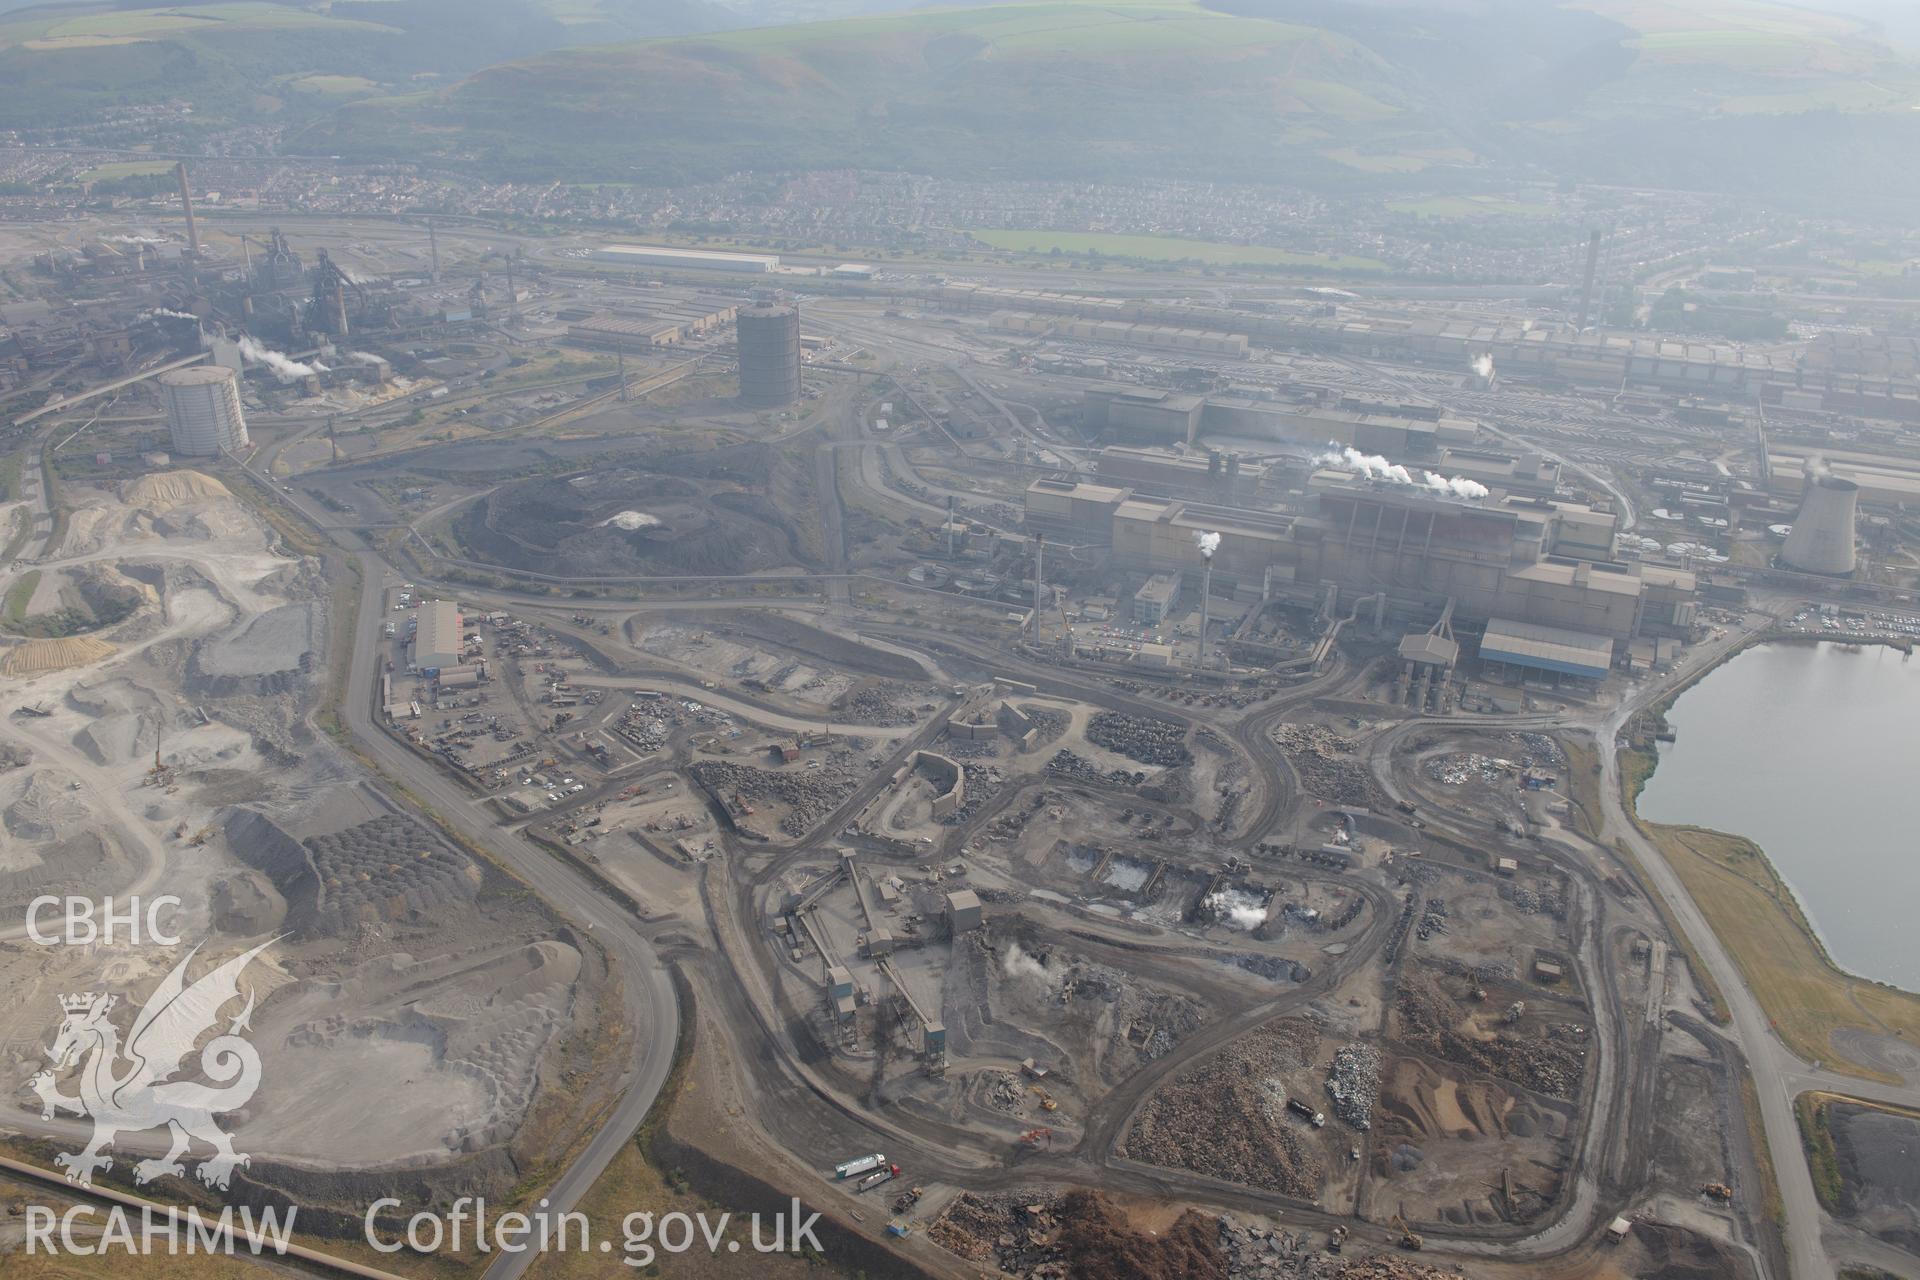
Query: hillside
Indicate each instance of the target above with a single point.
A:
(61, 63)
(1729, 93)
(1053, 87)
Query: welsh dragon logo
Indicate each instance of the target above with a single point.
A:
(130, 1089)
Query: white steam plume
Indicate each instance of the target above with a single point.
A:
(1370, 465)
(1483, 365)
(136, 239)
(161, 313)
(1018, 964)
(284, 367)
(1237, 909)
(1208, 544)
(364, 357)
(1816, 467)
(1375, 467)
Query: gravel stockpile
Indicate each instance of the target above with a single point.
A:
(1158, 742)
(277, 640)
(386, 869)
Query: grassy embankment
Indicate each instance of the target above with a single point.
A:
(1806, 997)
(1813, 1111)
(13, 611)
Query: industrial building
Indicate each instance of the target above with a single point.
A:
(1528, 560)
(437, 642)
(672, 259)
(1166, 337)
(1156, 598)
(1588, 358)
(203, 410)
(1883, 480)
(769, 355)
(1080, 511)
(1168, 471)
(1823, 533)
(666, 323)
(1524, 473)
(1155, 416)
(1551, 649)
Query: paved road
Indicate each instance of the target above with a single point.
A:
(652, 1010)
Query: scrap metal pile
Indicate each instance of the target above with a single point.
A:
(1327, 766)
(1158, 742)
(809, 797)
(1353, 1082)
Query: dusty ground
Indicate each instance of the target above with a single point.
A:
(415, 1002)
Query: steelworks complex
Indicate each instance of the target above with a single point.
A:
(1522, 560)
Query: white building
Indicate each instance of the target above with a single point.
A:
(673, 259)
(437, 637)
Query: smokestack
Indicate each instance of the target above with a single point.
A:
(1208, 544)
(1206, 614)
(186, 203)
(1586, 287)
(1039, 550)
(949, 526)
(1822, 536)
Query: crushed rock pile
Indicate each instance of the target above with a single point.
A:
(165, 490)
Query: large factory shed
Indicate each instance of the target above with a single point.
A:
(1542, 648)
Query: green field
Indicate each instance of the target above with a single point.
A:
(1168, 249)
(13, 609)
(1378, 161)
(334, 86)
(1046, 26)
(126, 26)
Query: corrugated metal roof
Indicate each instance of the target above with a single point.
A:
(1543, 648)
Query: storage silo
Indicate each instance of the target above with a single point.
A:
(769, 339)
(203, 410)
(1822, 537)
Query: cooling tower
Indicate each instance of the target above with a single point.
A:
(769, 356)
(203, 410)
(1822, 537)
